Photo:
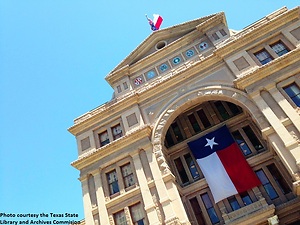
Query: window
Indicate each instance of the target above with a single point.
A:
(192, 167)
(119, 89)
(271, 50)
(112, 180)
(279, 179)
(226, 110)
(279, 48)
(246, 198)
(137, 214)
(267, 184)
(221, 109)
(247, 141)
(174, 134)
(186, 169)
(177, 131)
(263, 57)
(293, 92)
(241, 143)
(127, 175)
(104, 139)
(181, 171)
(274, 186)
(197, 211)
(210, 209)
(125, 85)
(252, 137)
(117, 131)
(169, 139)
(223, 32)
(120, 218)
(238, 201)
(233, 203)
(215, 36)
(194, 123)
(205, 121)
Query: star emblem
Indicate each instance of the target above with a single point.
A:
(211, 142)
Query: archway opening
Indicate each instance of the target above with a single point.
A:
(201, 119)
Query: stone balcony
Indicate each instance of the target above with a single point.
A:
(255, 213)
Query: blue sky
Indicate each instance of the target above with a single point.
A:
(54, 55)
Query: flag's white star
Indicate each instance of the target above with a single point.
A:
(211, 142)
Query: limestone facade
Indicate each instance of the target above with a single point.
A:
(177, 85)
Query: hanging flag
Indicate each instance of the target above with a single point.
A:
(225, 168)
(156, 22)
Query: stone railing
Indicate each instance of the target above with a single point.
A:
(249, 211)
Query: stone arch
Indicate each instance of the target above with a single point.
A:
(192, 98)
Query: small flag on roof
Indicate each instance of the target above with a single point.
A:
(156, 22)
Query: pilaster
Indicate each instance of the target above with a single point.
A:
(285, 146)
(145, 191)
(101, 198)
(88, 216)
(162, 191)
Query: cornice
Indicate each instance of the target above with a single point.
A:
(266, 70)
(118, 74)
(93, 156)
(104, 111)
(257, 30)
(212, 22)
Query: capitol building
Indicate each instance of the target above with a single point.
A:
(180, 84)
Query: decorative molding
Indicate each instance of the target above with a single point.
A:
(272, 67)
(127, 215)
(92, 156)
(111, 220)
(173, 221)
(155, 201)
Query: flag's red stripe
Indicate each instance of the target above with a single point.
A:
(158, 22)
(238, 169)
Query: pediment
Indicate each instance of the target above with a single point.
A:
(158, 39)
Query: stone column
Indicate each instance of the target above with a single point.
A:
(164, 198)
(88, 215)
(145, 191)
(104, 219)
(286, 146)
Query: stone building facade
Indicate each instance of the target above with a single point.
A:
(177, 85)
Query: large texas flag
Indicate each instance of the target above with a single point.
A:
(223, 165)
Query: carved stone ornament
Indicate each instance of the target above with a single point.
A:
(111, 220)
(294, 135)
(164, 168)
(127, 214)
(173, 221)
(157, 208)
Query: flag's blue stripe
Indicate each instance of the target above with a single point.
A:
(222, 137)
